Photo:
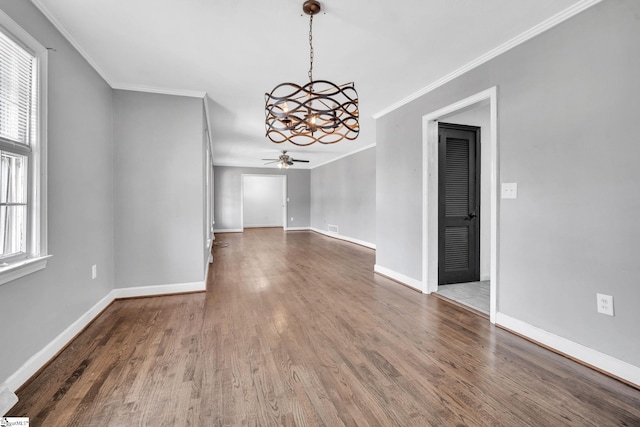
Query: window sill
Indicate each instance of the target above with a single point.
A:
(22, 268)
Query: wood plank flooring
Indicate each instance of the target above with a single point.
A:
(296, 330)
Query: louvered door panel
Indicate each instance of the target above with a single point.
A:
(456, 249)
(459, 240)
(457, 178)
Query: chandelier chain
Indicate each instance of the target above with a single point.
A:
(311, 47)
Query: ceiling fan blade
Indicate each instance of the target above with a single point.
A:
(268, 163)
(267, 160)
(302, 161)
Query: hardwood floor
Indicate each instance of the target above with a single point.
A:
(295, 329)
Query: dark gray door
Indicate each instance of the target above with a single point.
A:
(458, 204)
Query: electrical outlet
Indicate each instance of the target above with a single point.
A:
(94, 271)
(291, 219)
(509, 190)
(605, 304)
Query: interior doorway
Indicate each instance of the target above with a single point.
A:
(459, 203)
(263, 201)
(483, 104)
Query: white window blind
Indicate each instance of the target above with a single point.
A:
(18, 111)
(17, 92)
(23, 152)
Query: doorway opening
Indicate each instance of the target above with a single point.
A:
(479, 110)
(263, 201)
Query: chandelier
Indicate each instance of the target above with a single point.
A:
(319, 111)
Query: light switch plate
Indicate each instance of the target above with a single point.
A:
(509, 190)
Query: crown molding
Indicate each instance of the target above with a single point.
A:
(345, 155)
(527, 35)
(298, 167)
(51, 17)
(254, 166)
(159, 90)
(114, 85)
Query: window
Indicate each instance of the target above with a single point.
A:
(13, 205)
(22, 152)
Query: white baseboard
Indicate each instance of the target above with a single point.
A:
(399, 277)
(7, 399)
(146, 291)
(228, 230)
(297, 229)
(572, 349)
(345, 238)
(41, 358)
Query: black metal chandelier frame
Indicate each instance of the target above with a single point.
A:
(319, 111)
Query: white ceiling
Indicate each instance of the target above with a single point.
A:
(236, 50)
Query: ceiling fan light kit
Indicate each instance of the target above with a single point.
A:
(319, 111)
(284, 160)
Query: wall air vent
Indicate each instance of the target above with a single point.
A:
(333, 228)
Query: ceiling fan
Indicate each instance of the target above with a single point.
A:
(284, 160)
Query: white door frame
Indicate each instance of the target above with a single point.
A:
(430, 192)
(284, 197)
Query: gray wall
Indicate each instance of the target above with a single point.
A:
(159, 189)
(344, 194)
(567, 108)
(227, 193)
(38, 307)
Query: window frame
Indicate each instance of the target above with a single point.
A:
(36, 247)
(18, 151)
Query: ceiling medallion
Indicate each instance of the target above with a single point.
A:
(319, 111)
